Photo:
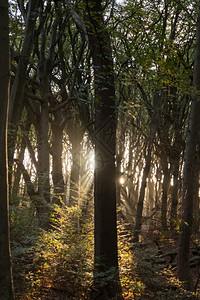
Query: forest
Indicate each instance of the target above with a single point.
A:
(99, 149)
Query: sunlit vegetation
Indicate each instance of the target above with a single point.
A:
(59, 263)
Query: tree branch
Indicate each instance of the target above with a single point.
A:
(78, 21)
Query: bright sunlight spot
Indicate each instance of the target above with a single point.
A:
(91, 162)
(121, 180)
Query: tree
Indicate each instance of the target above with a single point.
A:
(106, 257)
(16, 101)
(190, 170)
(148, 156)
(159, 66)
(6, 286)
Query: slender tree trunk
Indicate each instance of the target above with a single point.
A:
(195, 225)
(189, 170)
(165, 186)
(16, 102)
(57, 175)
(44, 73)
(43, 156)
(75, 170)
(17, 92)
(106, 276)
(138, 222)
(120, 153)
(17, 175)
(43, 167)
(151, 198)
(174, 202)
(6, 285)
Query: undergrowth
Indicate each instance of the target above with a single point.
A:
(59, 262)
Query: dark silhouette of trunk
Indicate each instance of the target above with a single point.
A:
(42, 193)
(17, 175)
(151, 201)
(6, 285)
(75, 131)
(158, 186)
(75, 170)
(189, 170)
(138, 222)
(120, 153)
(57, 175)
(43, 151)
(44, 71)
(43, 166)
(195, 225)
(16, 103)
(174, 201)
(106, 276)
(43, 212)
(165, 186)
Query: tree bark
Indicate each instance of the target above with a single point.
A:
(120, 153)
(106, 277)
(196, 216)
(17, 174)
(75, 171)
(174, 201)
(44, 70)
(43, 212)
(138, 222)
(16, 102)
(6, 284)
(17, 91)
(57, 175)
(189, 170)
(43, 153)
(165, 186)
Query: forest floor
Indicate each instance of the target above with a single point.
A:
(156, 257)
(148, 271)
(58, 264)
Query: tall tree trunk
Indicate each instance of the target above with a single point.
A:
(195, 225)
(120, 153)
(17, 175)
(165, 186)
(174, 201)
(6, 285)
(42, 209)
(43, 154)
(44, 73)
(75, 133)
(57, 175)
(189, 170)
(138, 222)
(106, 258)
(17, 90)
(75, 170)
(43, 166)
(16, 102)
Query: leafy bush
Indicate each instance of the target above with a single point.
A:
(64, 253)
